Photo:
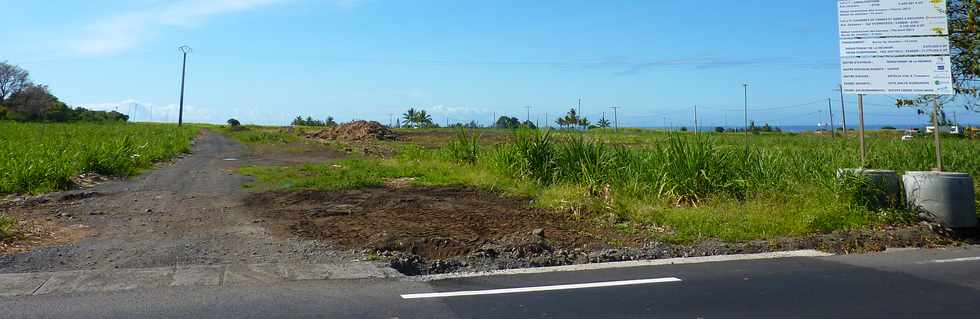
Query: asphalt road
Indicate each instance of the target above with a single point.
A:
(906, 284)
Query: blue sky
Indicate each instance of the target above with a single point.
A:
(266, 61)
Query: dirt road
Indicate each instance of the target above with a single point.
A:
(187, 213)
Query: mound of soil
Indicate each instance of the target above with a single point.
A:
(355, 131)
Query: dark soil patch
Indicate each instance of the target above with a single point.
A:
(431, 223)
(292, 153)
(438, 230)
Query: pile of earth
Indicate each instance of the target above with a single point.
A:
(355, 131)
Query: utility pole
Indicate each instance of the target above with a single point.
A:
(695, 119)
(546, 123)
(843, 115)
(615, 117)
(745, 87)
(830, 108)
(528, 113)
(183, 75)
(580, 115)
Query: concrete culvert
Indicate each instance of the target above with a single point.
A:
(884, 185)
(945, 197)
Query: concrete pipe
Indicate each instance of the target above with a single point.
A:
(885, 184)
(945, 197)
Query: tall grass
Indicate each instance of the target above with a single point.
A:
(39, 158)
(465, 148)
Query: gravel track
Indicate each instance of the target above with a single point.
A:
(190, 212)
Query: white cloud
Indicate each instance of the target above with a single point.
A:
(129, 29)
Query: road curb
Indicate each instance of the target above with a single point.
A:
(625, 264)
(79, 281)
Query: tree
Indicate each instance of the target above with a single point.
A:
(964, 37)
(13, 79)
(418, 119)
(330, 122)
(719, 129)
(233, 123)
(530, 125)
(409, 117)
(603, 123)
(32, 102)
(570, 118)
(507, 122)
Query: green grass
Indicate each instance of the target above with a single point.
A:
(8, 228)
(250, 134)
(678, 187)
(41, 157)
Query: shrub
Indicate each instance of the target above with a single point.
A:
(465, 148)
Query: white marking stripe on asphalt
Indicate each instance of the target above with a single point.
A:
(953, 260)
(540, 288)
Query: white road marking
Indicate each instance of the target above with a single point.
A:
(625, 264)
(540, 288)
(952, 260)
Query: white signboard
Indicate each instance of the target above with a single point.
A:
(894, 47)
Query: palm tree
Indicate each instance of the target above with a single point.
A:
(409, 117)
(603, 123)
(423, 119)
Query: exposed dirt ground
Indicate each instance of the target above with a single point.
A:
(188, 212)
(433, 223)
(436, 230)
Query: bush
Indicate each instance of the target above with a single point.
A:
(465, 148)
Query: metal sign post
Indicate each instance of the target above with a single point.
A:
(861, 128)
(935, 131)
